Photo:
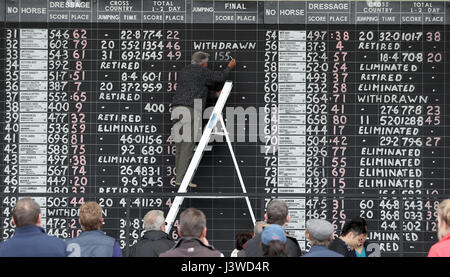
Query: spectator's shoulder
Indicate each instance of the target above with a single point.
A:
(54, 239)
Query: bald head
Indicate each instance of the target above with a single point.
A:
(26, 212)
(153, 220)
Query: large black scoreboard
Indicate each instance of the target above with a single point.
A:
(338, 107)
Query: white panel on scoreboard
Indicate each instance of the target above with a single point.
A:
(26, 75)
(32, 149)
(292, 140)
(33, 85)
(292, 129)
(289, 181)
(33, 107)
(291, 35)
(292, 56)
(33, 128)
(291, 108)
(291, 88)
(292, 118)
(291, 46)
(33, 159)
(32, 169)
(33, 65)
(33, 96)
(291, 77)
(291, 150)
(292, 171)
(34, 55)
(33, 117)
(291, 98)
(32, 138)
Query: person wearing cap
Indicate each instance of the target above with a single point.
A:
(273, 241)
(319, 234)
(193, 86)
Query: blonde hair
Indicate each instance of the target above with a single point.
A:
(444, 211)
(90, 216)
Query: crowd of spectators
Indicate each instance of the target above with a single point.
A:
(268, 238)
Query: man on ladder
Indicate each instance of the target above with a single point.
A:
(193, 83)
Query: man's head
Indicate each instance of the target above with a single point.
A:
(154, 220)
(277, 212)
(91, 216)
(366, 227)
(257, 230)
(192, 223)
(444, 218)
(26, 212)
(319, 232)
(353, 233)
(200, 58)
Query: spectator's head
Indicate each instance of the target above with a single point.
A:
(353, 233)
(91, 216)
(277, 212)
(257, 230)
(273, 241)
(444, 218)
(242, 238)
(366, 227)
(192, 224)
(26, 212)
(200, 58)
(154, 221)
(319, 232)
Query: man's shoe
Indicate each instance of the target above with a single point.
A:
(192, 185)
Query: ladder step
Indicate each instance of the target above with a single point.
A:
(207, 148)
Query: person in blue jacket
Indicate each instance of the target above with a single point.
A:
(92, 242)
(319, 234)
(30, 239)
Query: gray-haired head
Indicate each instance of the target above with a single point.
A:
(199, 57)
(153, 220)
(277, 212)
(257, 230)
(26, 212)
(320, 231)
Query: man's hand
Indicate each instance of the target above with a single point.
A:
(232, 63)
(218, 93)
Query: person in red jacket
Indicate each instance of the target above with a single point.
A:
(442, 248)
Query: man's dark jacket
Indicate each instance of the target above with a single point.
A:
(254, 248)
(338, 245)
(152, 244)
(191, 247)
(32, 241)
(193, 83)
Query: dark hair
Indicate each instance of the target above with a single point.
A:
(363, 221)
(275, 248)
(26, 212)
(242, 238)
(192, 223)
(355, 226)
(277, 211)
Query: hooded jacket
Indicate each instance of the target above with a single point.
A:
(152, 244)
